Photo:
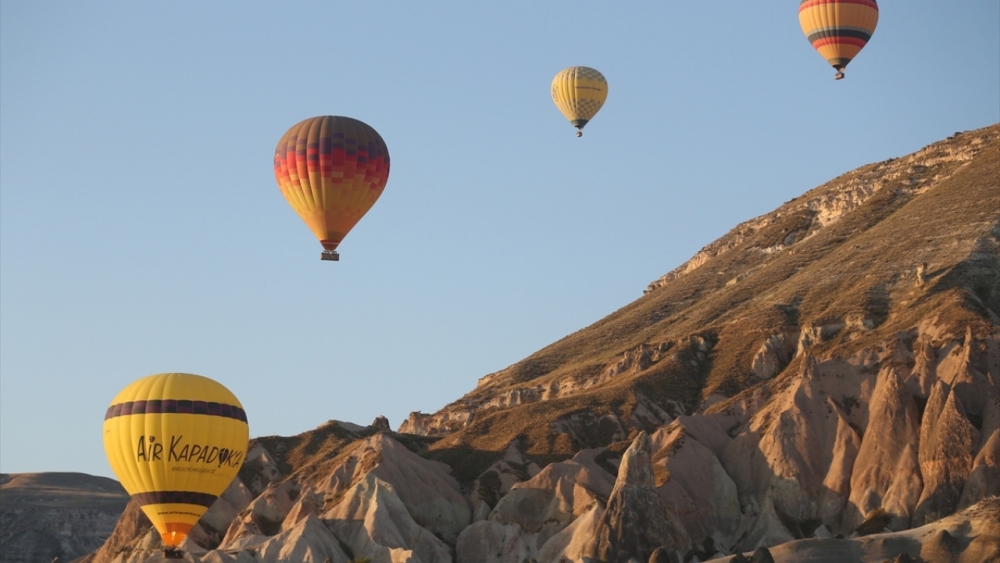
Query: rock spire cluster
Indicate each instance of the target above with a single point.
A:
(824, 378)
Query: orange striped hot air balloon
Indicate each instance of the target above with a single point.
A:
(838, 29)
(331, 169)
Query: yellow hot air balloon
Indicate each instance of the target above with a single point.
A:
(838, 29)
(579, 92)
(331, 170)
(175, 441)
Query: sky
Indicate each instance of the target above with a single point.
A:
(142, 230)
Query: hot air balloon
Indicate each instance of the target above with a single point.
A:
(331, 169)
(838, 29)
(579, 92)
(175, 441)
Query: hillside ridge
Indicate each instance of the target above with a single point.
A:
(795, 236)
(60, 514)
(826, 372)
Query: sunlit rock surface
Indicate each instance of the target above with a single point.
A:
(823, 379)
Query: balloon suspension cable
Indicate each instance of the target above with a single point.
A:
(839, 75)
(172, 553)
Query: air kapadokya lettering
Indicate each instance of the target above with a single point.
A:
(151, 449)
(148, 451)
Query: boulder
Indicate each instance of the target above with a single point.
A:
(635, 521)
(373, 522)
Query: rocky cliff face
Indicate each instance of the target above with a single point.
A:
(823, 373)
(970, 536)
(48, 515)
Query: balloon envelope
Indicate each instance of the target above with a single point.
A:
(331, 169)
(838, 29)
(176, 441)
(579, 92)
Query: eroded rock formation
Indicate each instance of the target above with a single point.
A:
(828, 370)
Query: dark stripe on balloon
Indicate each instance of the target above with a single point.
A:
(839, 33)
(175, 497)
(176, 406)
(805, 4)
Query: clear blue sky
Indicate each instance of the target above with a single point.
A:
(142, 231)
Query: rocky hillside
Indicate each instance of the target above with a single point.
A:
(44, 516)
(822, 373)
(970, 536)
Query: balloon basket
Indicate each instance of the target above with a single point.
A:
(330, 255)
(172, 553)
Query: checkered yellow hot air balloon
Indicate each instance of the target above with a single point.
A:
(838, 29)
(176, 441)
(579, 92)
(331, 169)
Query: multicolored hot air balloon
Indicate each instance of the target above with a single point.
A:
(579, 92)
(838, 29)
(331, 170)
(176, 442)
